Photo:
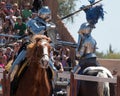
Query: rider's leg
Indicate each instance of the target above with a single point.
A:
(52, 65)
(16, 63)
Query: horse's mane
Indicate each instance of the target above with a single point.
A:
(39, 37)
(34, 53)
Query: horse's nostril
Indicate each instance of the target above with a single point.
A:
(44, 63)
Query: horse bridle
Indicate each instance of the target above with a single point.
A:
(44, 61)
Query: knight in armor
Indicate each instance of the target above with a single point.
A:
(42, 24)
(37, 25)
(85, 52)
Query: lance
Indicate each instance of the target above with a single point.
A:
(86, 7)
(62, 18)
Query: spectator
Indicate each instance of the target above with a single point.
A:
(3, 8)
(58, 64)
(2, 40)
(68, 59)
(8, 65)
(65, 56)
(20, 27)
(2, 19)
(64, 61)
(12, 19)
(26, 12)
(7, 26)
(3, 58)
(16, 10)
(8, 10)
(16, 49)
(8, 53)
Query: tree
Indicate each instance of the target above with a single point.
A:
(99, 54)
(66, 7)
(110, 49)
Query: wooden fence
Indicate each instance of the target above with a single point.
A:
(74, 77)
(1, 78)
(5, 80)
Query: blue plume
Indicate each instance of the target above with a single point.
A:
(91, 1)
(94, 13)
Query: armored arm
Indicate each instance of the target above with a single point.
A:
(80, 53)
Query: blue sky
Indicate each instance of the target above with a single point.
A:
(106, 32)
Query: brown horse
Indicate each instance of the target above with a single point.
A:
(90, 88)
(36, 81)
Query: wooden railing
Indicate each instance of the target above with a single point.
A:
(1, 78)
(5, 81)
(74, 77)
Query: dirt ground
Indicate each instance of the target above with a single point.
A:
(112, 64)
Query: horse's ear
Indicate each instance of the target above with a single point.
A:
(36, 38)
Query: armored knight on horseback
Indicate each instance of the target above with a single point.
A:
(37, 25)
(85, 51)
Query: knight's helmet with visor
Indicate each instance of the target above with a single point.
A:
(44, 12)
(85, 29)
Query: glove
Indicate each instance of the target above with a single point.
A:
(50, 26)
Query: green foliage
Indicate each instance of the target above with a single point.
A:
(109, 55)
(112, 56)
(66, 7)
(110, 49)
(100, 54)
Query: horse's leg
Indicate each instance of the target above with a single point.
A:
(103, 87)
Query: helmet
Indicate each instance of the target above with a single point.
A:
(85, 29)
(45, 13)
(44, 10)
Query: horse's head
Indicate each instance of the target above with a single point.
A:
(40, 50)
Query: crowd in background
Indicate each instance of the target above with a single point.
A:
(13, 20)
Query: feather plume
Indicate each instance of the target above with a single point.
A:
(94, 13)
(91, 1)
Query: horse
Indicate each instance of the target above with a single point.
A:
(36, 79)
(88, 88)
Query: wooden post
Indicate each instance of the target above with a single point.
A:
(118, 85)
(6, 84)
(2, 82)
(71, 84)
(75, 87)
